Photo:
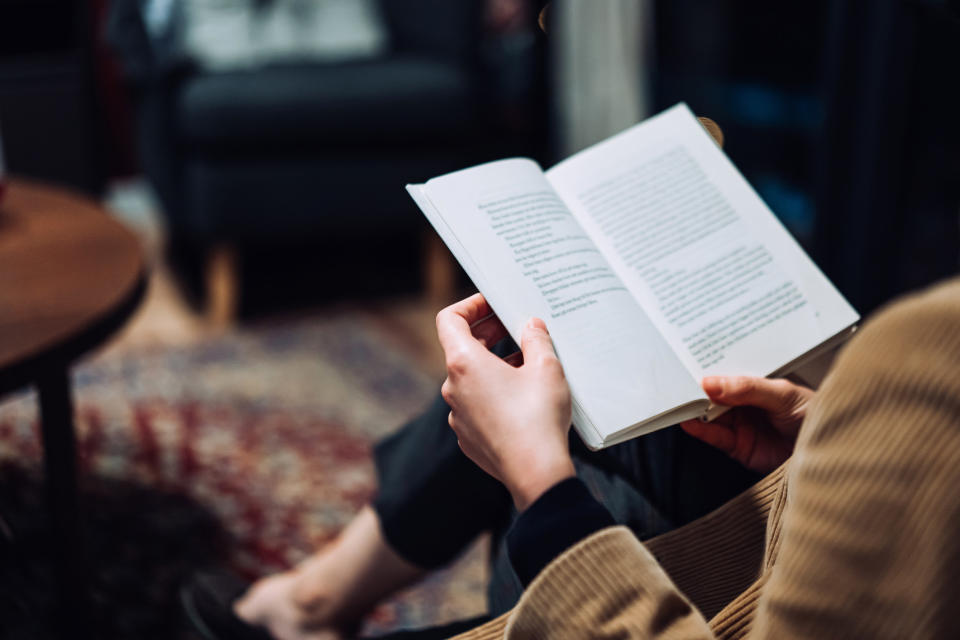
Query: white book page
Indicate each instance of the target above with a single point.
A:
(530, 257)
(588, 431)
(715, 270)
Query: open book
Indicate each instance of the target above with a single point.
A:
(652, 262)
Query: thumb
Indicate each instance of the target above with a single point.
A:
(734, 391)
(535, 343)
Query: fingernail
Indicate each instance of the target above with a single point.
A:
(713, 385)
(536, 323)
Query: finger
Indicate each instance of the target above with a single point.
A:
(721, 436)
(446, 392)
(726, 419)
(736, 391)
(456, 337)
(473, 309)
(514, 359)
(535, 343)
(489, 330)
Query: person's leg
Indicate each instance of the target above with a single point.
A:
(329, 592)
(682, 477)
(432, 502)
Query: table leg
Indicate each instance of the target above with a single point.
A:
(60, 478)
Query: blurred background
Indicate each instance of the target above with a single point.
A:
(259, 148)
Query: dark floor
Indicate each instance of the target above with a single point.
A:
(130, 532)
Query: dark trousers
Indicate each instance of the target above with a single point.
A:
(434, 501)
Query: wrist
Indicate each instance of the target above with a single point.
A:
(537, 480)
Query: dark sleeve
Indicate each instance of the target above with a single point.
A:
(561, 517)
(433, 500)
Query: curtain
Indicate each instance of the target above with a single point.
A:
(600, 52)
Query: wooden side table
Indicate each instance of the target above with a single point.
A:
(70, 276)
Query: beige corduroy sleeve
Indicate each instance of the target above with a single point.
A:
(607, 586)
(870, 541)
(870, 545)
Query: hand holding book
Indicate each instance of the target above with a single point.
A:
(762, 429)
(512, 421)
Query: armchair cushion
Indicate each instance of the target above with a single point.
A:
(397, 100)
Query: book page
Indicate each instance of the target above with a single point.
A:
(710, 263)
(530, 257)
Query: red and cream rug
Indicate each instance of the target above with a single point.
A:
(264, 434)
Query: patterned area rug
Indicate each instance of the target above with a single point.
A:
(248, 450)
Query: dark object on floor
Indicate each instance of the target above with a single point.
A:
(207, 600)
(142, 544)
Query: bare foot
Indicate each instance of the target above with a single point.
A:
(270, 604)
(326, 595)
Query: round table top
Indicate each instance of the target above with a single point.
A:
(70, 275)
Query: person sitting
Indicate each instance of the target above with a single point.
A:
(861, 535)
(433, 502)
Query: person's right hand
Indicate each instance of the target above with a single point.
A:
(761, 429)
(512, 421)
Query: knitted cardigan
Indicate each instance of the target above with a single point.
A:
(858, 536)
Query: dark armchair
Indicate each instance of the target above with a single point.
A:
(292, 151)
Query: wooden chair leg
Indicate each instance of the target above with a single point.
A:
(223, 286)
(439, 272)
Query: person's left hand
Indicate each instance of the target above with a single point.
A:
(761, 429)
(512, 421)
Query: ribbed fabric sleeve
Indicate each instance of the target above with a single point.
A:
(607, 586)
(714, 558)
(493, 630)
(870, 539)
